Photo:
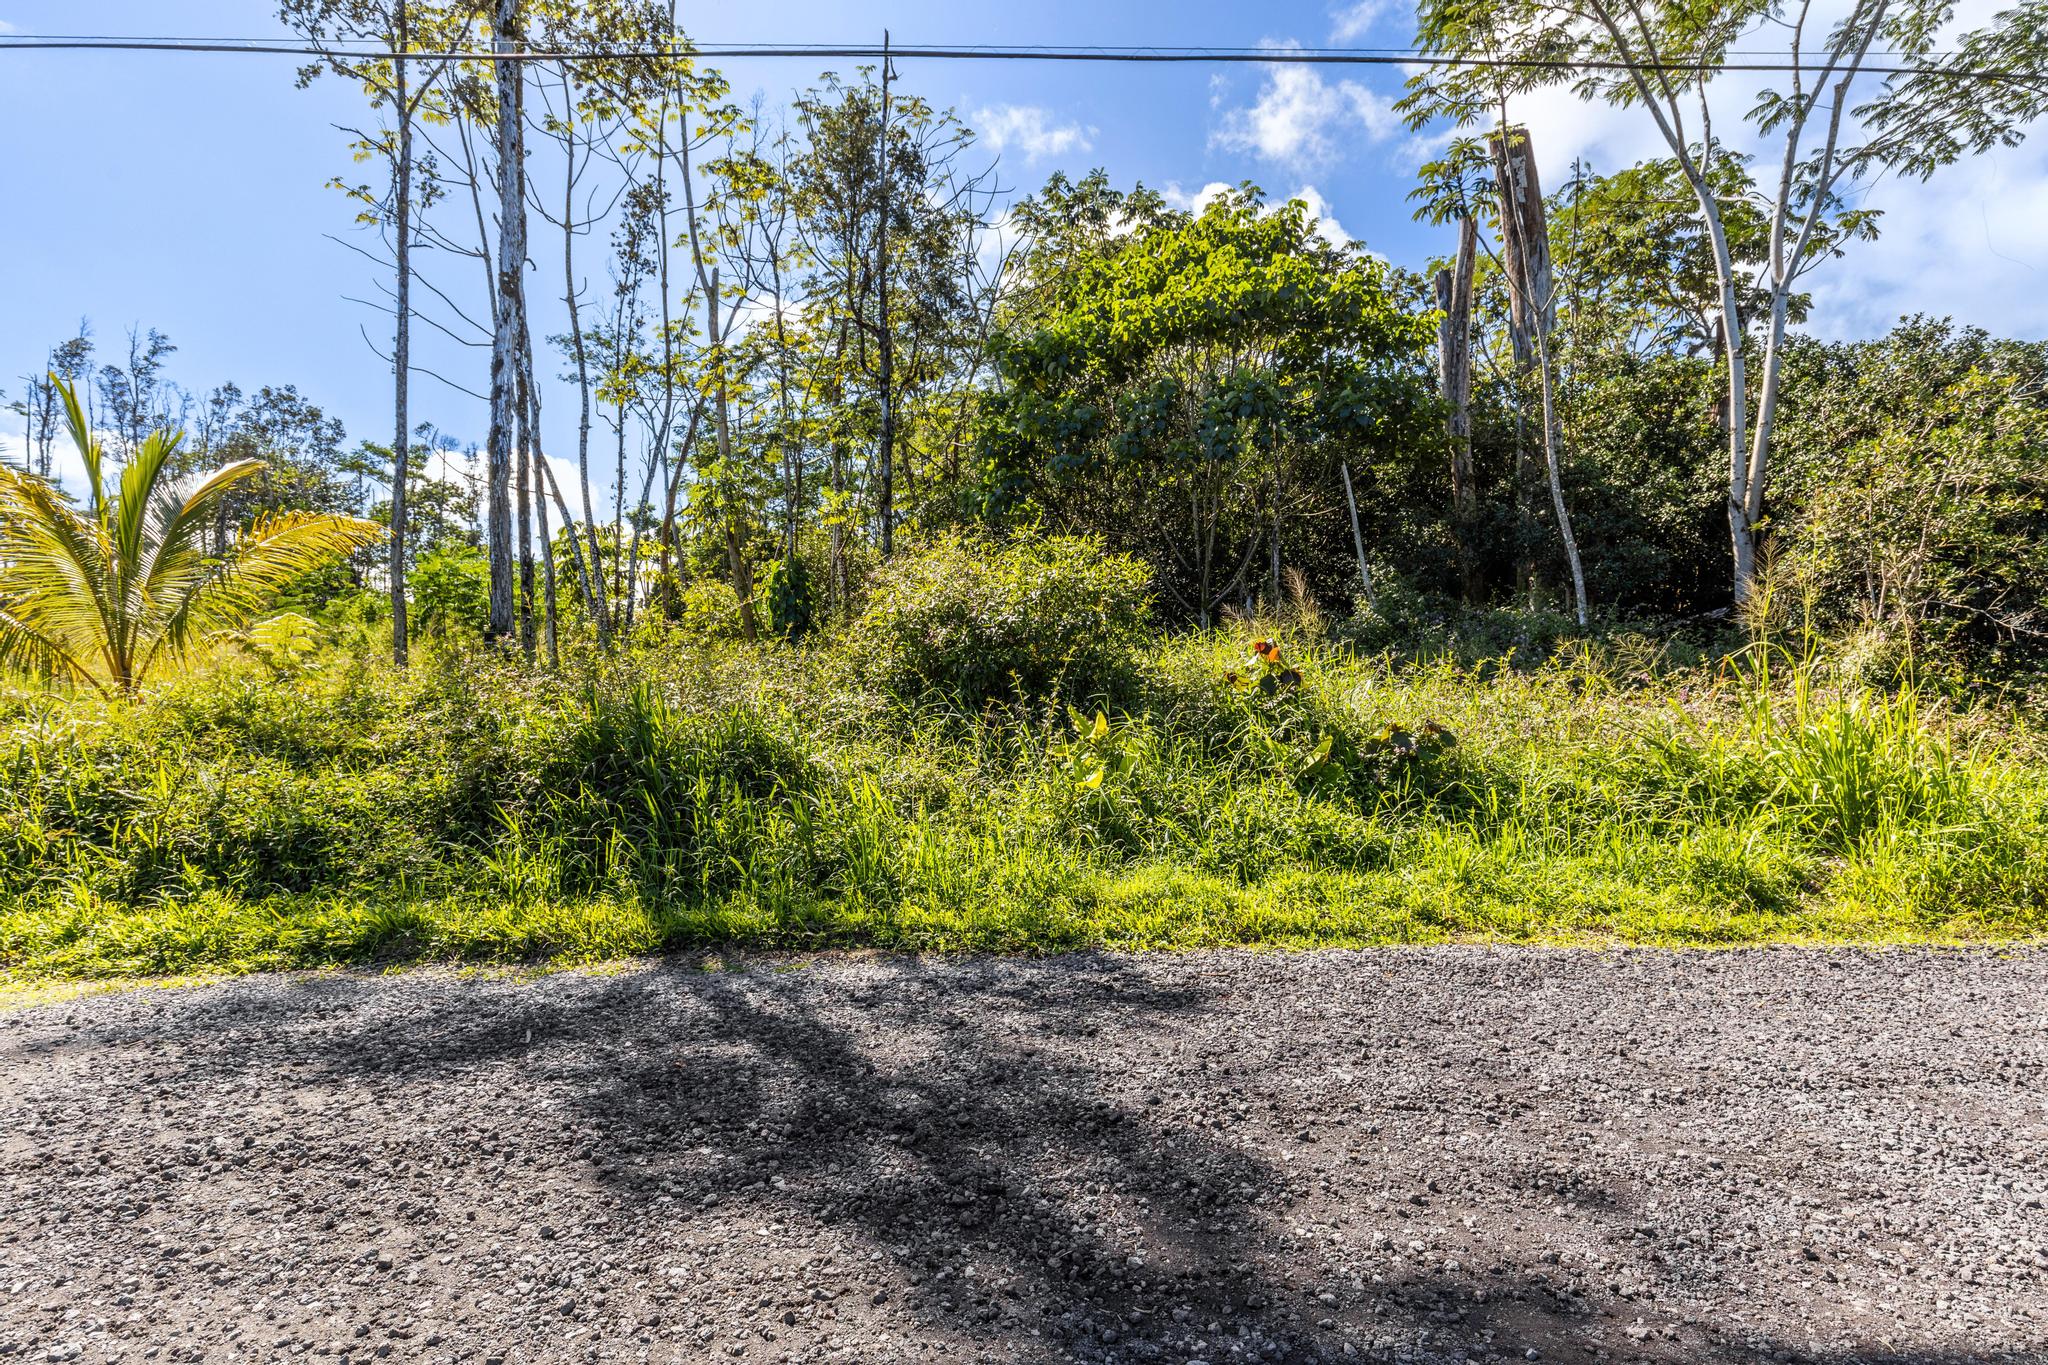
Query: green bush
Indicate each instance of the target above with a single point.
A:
(451, 590)
(979, 621)
(706, 609)
(789, 598)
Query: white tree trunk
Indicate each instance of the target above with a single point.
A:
(1525, 238)
(401, 360)
(508, 37)
(1357, 537)
(1454, 364)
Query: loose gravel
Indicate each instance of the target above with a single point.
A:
(1425, 1156)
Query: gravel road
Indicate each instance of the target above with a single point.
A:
(1436, 1155)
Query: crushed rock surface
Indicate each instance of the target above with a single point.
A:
(1422, 1156)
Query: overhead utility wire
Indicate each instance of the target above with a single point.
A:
(729, 51)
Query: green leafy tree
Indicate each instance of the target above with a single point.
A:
(102, 595)
(1193, 388)
(1915, 497)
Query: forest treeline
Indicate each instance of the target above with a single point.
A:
(798, 340)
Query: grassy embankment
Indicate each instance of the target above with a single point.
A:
(728, 797)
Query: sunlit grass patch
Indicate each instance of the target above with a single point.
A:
(471, 813)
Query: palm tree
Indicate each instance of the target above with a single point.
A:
(101, 594)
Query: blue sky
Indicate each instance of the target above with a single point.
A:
(187, 192)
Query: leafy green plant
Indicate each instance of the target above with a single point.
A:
(978, 621)
(1098, 753)
(450, 587)
(285, 643)
(102, 595)
(790, 596)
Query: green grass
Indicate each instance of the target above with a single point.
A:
(719, 797)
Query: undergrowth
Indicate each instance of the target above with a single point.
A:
(781, 797)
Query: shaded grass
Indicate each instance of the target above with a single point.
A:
(676, 800)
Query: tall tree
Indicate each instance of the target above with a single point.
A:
(1532, 317)
(1454, 378)
(390, 82)
(508, 37)
(136, 397)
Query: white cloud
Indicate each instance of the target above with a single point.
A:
(1965, 245)
(1355, 20)
(1300, 120)
(1031, 130)
(6, 27)
(1194, 201)
(1326, 225)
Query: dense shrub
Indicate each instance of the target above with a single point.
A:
(451, 590)
(1914, 498)
(979, 621)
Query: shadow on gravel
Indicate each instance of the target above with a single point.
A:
(943, 1122)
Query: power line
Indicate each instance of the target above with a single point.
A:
(1294, 56)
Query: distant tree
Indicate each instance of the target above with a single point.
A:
(300, 448)
(888, 207)
(136, 398)
(40, 407)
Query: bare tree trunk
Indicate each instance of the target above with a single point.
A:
(546, 486)
(886, 493)
(657, 458)
(401, 360)
(1275, 565)
(1741, 536)
(619, 507)
(735, 554)
(508, 36)
(842, 587)
(1766, 408)
(600, 608)
(1525, 239)
(1552, 456)
(523, 448)
(1357, 537)
(547, 548)
(1454, 363)
(673, 487)
(792, 450)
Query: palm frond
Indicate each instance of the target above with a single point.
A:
(100, 594)
(140, 494)
(24, 647)
(89, 448)
(172, 561)
(56, 566)
(279, 548)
